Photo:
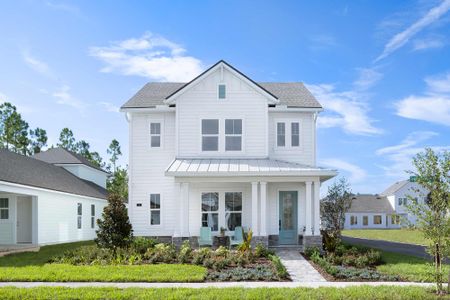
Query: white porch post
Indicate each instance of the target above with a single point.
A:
(34, 220)
(255, 228)
(263, 195)
(317, 207)
(308, 211)
(184, 209)
(177, 231)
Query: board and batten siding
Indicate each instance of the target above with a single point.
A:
(242, 102)
(147, 174)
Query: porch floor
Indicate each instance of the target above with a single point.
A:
(17, 248)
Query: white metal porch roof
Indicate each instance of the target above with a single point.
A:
(243, 167)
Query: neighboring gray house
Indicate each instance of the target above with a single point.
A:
(53, 197)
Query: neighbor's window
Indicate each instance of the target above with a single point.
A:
(281, 134)
(233, 210)
(353, 220)
(222, 91)
(210, 210)
(233, 135)
(395, 220)
(377, 220)
(80, 215)
(365, 220)
(92, 215)
(210, 135)
(155, 135)
(155, 209)
(4, 208)
(295, 134)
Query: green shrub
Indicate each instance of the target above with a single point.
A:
(262, 252)
(310, 251)
(200, 255)
(141, 244)
(85, 255)
(222, 251)
(351, 273)
(279, 267)
(161, 253)
(246, 245)
(185, 253)
(260, 272)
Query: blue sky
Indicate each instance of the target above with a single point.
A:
(381, 69)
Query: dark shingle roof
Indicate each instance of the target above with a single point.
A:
(64, 156)
(16, 168)
(370, 204)
(394, 188)
(293, 94)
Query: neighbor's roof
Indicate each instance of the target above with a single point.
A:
(370, 204)
(292, 94)
(16, 168)
(394, 188)
(243, 167)
(63, 156)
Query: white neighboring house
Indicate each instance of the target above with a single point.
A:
(386, 210)
(223, 151)
(54, 197)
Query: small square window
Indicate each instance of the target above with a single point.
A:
(222, 91)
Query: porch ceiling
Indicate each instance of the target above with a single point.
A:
(243, 168)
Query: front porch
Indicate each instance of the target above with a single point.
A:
(281, 205)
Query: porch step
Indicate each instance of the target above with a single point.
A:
(287, 247)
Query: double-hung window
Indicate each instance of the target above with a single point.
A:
(79, 215)
(4, 208)
(210, 210)
(210, 135)
(155, 209)
(365, 220)
(233, 135)
(233, 210)
(281, 134)
(353, 220)
(377, 220)
(295, 134)
(92, 215)
(155, 135)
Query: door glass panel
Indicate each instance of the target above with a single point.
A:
(288, 212)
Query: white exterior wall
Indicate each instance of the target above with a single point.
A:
(242, 102)
(407, 191)
(87, 173)
(370, 223)
(305, 153)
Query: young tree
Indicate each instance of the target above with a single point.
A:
(67, 140)
(38, 140)
(432, 171)
(333, 208)
(115, 230)
(118, 183)
(96, 159)
(115, 152)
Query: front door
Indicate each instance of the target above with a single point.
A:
(24, 216)
(288, 218)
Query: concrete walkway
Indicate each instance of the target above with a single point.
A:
(298, 267)
(200, 285)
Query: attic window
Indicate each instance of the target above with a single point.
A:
(222, 91)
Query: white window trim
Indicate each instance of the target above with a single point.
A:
(150, 210)
(221, 152)
(80, 216)
(362, 223)
(233, 135)
(226, 92)
(288, 135)
(354, 217)
(161, 134)
(8, 209)
(221, 211)
(210, 135)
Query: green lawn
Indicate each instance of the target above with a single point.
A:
(409, 268)
(362, 292)
(393, 235)
(33, 266)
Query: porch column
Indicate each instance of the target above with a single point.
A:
(184, 209)
(263, 195)
(308, 211)
(255, 228)
(34, 220)
(317, 207)
(178, 192)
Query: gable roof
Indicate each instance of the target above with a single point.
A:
(16, 168)
(370, 204)
(64, 157)
(394, 188)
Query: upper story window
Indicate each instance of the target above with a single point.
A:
(222, 91)
(4, 208)
(233, 135)
(79, 215)
(210, 135)
(155, 209)
(288, 134)
(402, 201)
(281, 134)
(155, 135)
(295, 134)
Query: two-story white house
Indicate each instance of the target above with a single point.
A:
(223, 151)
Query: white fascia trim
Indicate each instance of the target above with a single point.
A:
(325, 173)
(157, 108)
(83, 165)
(284, 108)
(17, 185)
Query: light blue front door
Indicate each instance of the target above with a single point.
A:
(288, 218)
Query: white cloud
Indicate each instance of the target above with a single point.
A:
(344, 109)
(149, 56)
(433, 106)
(400, 156)
(64, 97)
(400, 39)
(109, 107)
(356, 173)
(367, 78)
(428, 43)
(37, 65)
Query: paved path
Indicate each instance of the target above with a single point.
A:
(298, 267)
(209, 284)
(409, 249)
